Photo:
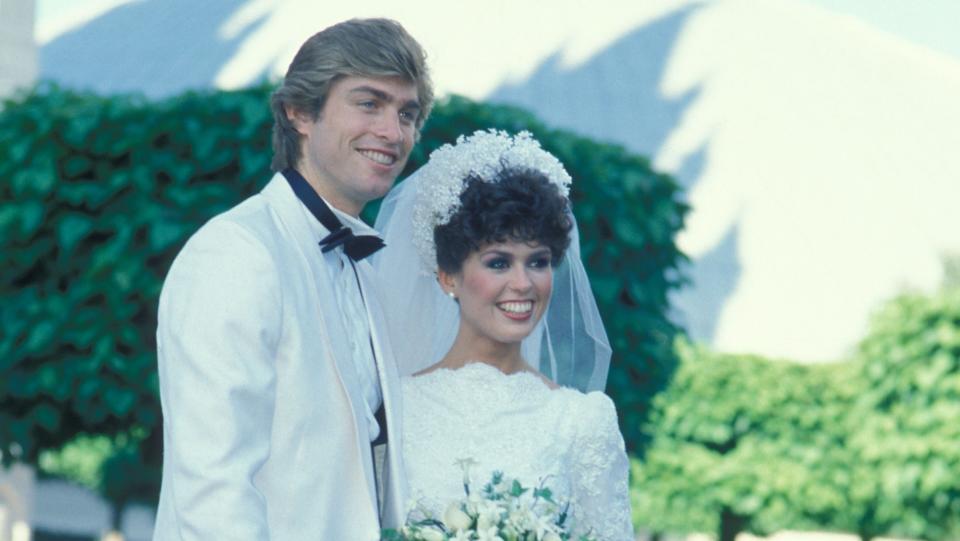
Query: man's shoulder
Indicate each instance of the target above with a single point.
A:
(252, 217)
(249, 228)
(255, 230)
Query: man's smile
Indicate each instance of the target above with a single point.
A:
(382, 158)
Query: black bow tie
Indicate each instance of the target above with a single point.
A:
(356, 247)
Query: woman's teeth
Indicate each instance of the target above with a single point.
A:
(516, 307)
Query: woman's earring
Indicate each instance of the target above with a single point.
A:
(451, 295)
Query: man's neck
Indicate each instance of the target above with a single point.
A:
(330, 197)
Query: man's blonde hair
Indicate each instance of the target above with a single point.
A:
(358, 47)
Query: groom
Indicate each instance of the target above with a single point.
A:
(275, 375)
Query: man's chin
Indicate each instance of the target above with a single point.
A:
(381, 188)
(371, 196)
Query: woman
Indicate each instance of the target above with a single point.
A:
(494, 331)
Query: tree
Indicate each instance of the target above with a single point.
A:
(910, 404)
(867, 446)
(742, 443)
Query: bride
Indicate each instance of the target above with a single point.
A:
(497, 334)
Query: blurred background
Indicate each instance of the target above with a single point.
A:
(767, 190)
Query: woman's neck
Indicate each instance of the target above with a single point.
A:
(467, 349)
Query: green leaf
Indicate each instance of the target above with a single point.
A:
(41, 337)
(629, 232)
(31, 216)
(120, 401)
(9, 215)
(46, 416)
(163, 234)
(76, 165)
(71, 229)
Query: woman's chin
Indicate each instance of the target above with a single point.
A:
(514, 336)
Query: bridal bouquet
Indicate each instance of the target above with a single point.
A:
(504, 510)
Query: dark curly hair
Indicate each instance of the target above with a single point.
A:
(517, 205)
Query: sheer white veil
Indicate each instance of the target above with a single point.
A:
(568, 345)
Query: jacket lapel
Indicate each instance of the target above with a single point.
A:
(392, 512)
(330, 328)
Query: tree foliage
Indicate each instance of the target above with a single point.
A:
(97, 195)
(737, 441)
(909, 437)
(868, 446)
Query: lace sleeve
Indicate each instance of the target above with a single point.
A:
(601, 500)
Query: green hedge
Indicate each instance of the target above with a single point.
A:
(98, 194)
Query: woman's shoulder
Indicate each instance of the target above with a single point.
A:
(594, 401)
(593, 414)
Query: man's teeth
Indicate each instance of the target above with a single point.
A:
(379, 157)
(516, 307)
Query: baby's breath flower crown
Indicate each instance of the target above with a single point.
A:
(482, 155)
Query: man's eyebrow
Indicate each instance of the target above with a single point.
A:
(383, 96)
(376, 92)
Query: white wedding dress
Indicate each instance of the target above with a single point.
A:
(518, 425)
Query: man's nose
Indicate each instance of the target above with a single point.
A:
(389, 127)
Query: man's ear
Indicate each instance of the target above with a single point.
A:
(299, 120)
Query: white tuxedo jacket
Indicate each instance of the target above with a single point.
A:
(263, 438)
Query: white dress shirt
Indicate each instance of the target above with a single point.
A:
(353, 313)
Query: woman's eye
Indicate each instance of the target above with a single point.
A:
(367, 104)
(498, 263)
(540, 262)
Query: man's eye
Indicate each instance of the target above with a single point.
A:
(368, 104)
(408, 116)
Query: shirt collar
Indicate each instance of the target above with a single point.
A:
(358, 226)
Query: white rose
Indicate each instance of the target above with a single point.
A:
(484, 522)
(520, 518)
(473, 503)
(488, 514)
(551, 537)
(429, 534)
(455, 518)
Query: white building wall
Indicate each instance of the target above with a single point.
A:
(18, 49)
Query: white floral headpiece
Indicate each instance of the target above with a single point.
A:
(483, 155)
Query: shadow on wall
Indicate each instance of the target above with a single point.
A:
(714, 276)
(180, 38)
(615, 96)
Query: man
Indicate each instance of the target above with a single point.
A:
(275, 376)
